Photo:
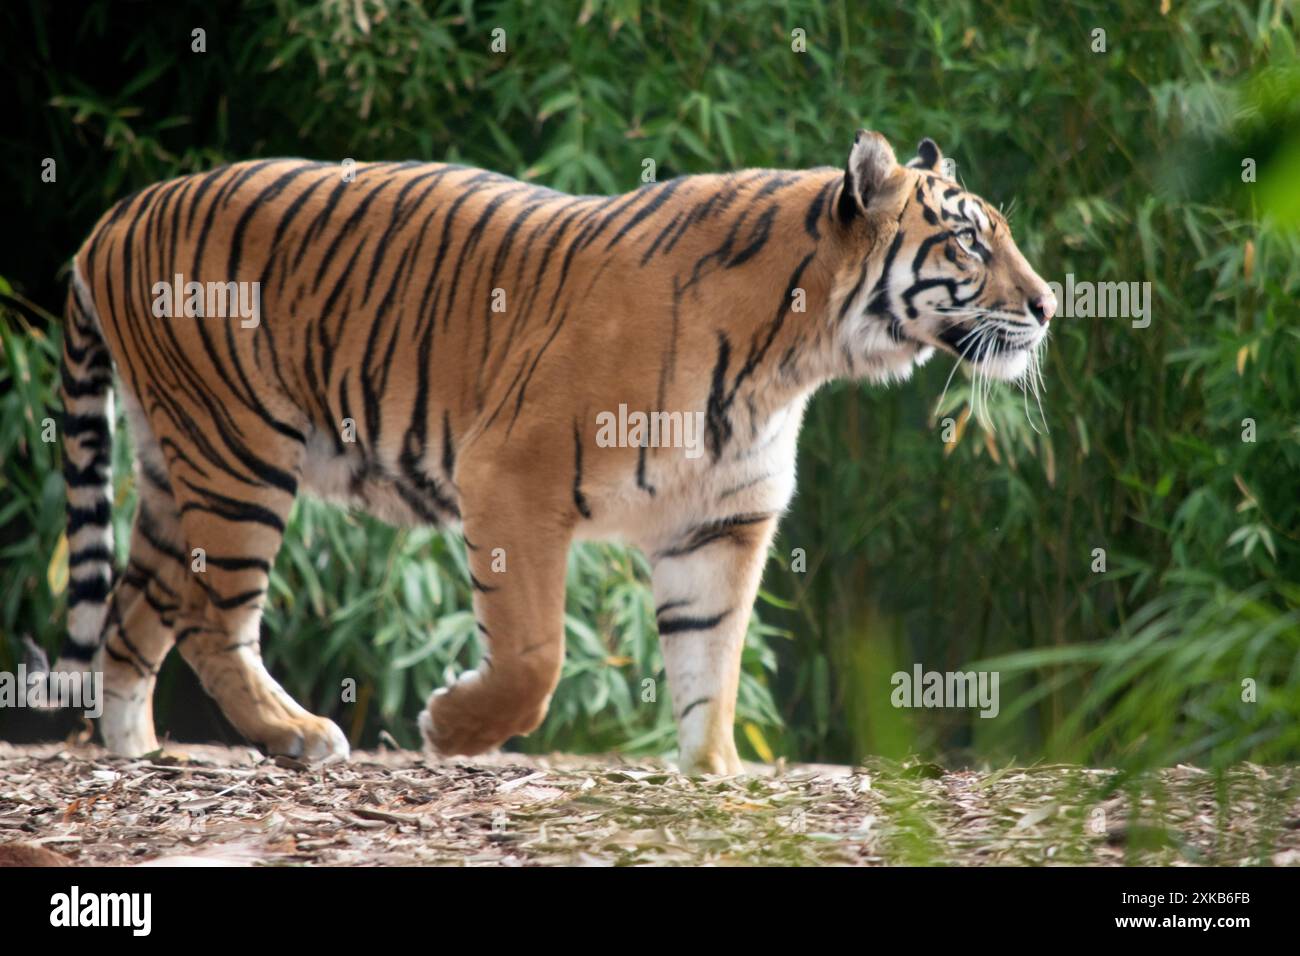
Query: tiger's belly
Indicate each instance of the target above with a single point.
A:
(755, 476)
(401, 497)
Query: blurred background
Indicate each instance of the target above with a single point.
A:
(1128, 559)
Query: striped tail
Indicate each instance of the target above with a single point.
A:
(87, 379)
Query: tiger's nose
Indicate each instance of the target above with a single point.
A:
(1043, 307)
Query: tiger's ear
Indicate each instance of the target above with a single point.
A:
(928, 157)
(870, 162)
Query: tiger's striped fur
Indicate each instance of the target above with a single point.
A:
(732, 296)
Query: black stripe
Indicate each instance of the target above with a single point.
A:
(669, 606)
(87, 386)
(665, 193)
(93, 590)
(95, 424)
(815, 210)
(758, 236)
(692, 705)
(93, 475)
(235, 600)
(231, 509)
(708, 533)
(239, 564)
(78, 652)
(579, 499)
(640, 472)
(93, 553)
(718, 424)
(680, 625)
(97, 514)
(448, 447)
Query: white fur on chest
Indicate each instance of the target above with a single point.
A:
(755, 474)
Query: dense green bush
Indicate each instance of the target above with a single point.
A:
(1123, 165)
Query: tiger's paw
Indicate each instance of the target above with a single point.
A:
(310, 739)
(449, 729)
(702, 765)
(127, 732)
(126, 717)
(709, 758)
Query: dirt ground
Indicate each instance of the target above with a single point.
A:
(209, 805)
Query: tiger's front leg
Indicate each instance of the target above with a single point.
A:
(517, 545)
(704, 588)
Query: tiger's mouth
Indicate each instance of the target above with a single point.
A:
(975, 341)
(1002, 351)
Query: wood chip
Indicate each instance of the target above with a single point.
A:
(399, 808)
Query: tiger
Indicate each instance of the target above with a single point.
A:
(435, 344)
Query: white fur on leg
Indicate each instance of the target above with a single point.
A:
(703, 662)
(126, 724)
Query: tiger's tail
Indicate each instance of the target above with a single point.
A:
(86, 373)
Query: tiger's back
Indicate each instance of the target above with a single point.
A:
(450, 292)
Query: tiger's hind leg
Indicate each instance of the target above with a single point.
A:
(136, 633)
(139, 632)
(233, 527)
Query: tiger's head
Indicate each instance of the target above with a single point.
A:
(932, 266)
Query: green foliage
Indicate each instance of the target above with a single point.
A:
(1122, 166)
(31, 485)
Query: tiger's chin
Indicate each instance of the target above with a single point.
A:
(886, 366)
(1008, 366)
